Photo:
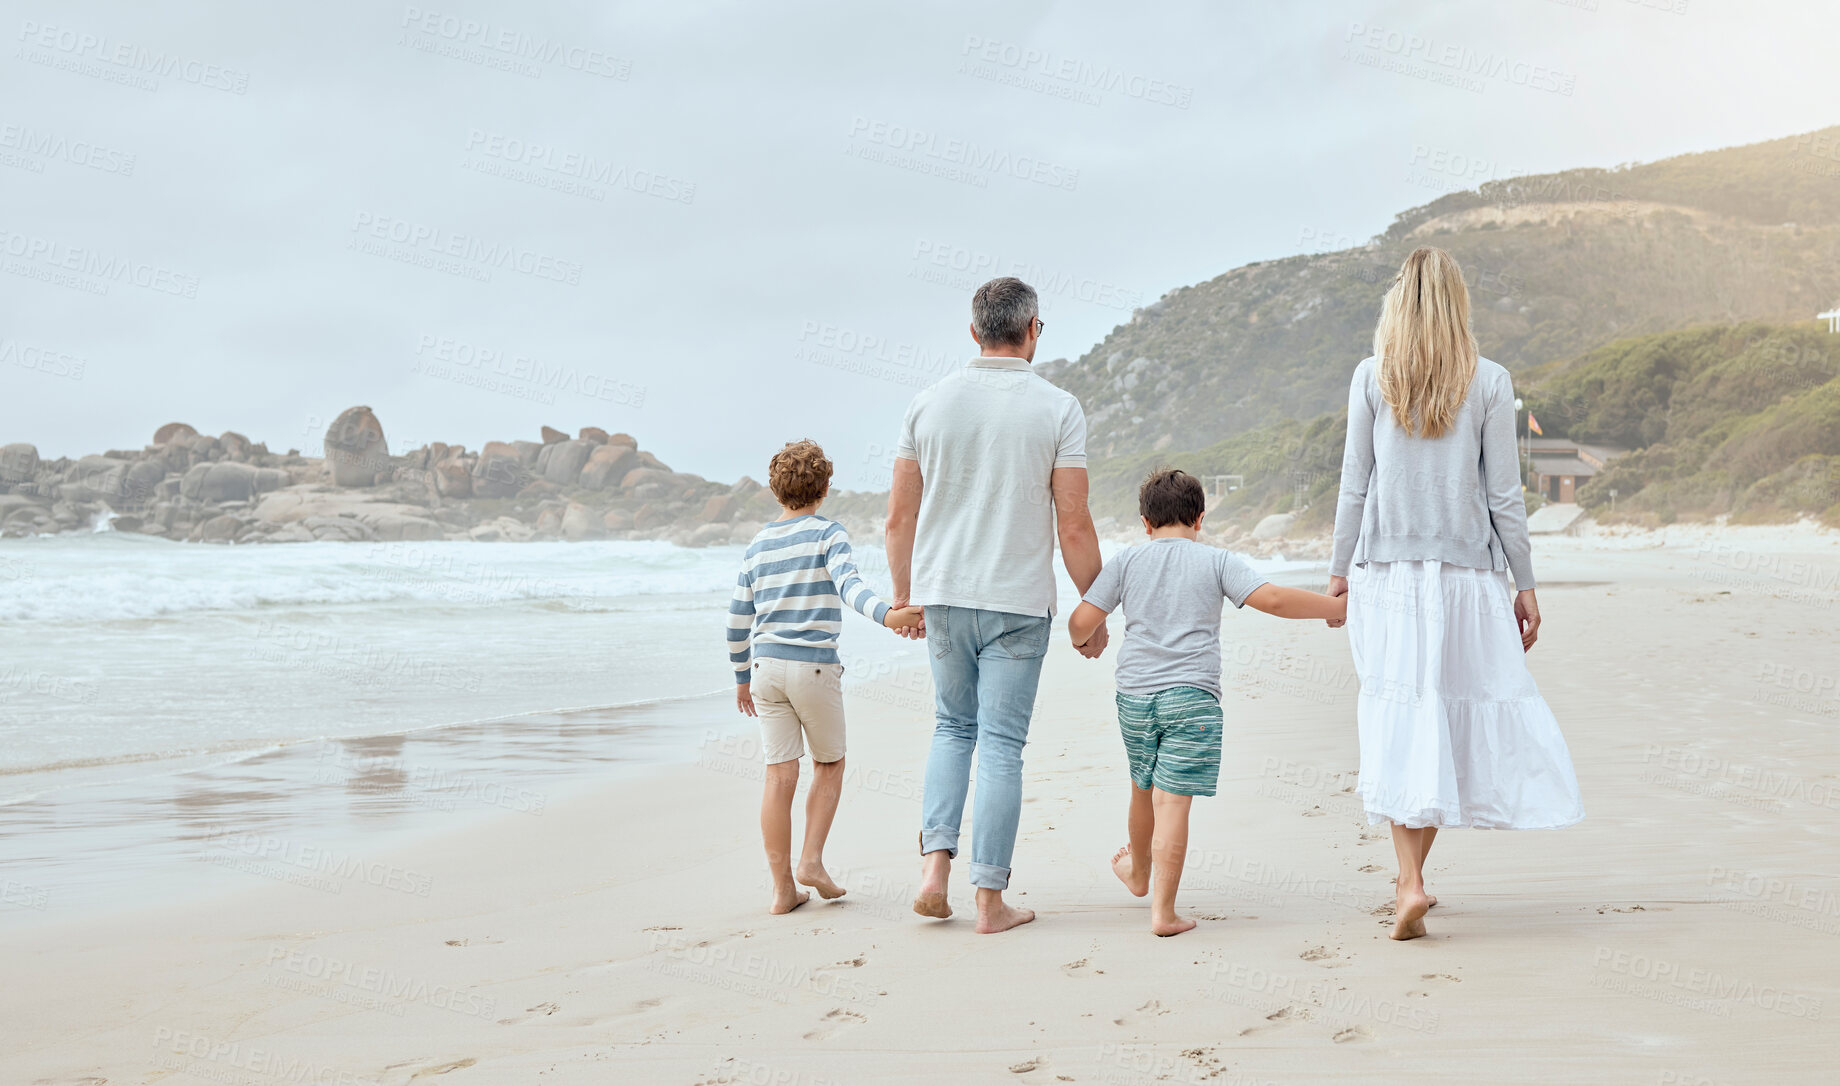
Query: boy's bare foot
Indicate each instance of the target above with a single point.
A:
(935, 868)
(814, 876)
(1409, 915)
(1001, 916)
(1124, 865)
(786, 899)
(1173, 926)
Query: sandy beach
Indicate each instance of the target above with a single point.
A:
(1688, 931)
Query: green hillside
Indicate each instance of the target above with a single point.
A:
(1558, 264)
(1740, 419)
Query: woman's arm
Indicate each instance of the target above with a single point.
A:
(1501, 478)
(1357, 472)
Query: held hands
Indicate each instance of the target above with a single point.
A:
(1094, 645)
(1527, 615)
(1338, 586)
(744, 699)
(906, 620)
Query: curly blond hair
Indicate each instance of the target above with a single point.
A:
(799, 474)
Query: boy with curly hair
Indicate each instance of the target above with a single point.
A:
(783, 626)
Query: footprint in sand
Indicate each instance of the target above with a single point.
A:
(474, 942)
(1366, 869)
(1353, 1033)
(662, 927)
(1602, 909)
(1317, 954)
(1442, 976)
(442, 1068)
(852, 963)
(1075, 969)
(833, 1023)
(1152, 1009)
(1314, 812)
(1026, 1066)
(541, 1010)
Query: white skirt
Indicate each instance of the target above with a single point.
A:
(1453, 729)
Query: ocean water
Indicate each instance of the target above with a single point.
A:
(173, 717)
(123, 655)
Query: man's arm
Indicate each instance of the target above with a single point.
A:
(1079, 542)
(1086, 619)
(898, 534)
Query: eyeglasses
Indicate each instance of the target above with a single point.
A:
(1039, 325)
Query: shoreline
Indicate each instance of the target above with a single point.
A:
(578, 945)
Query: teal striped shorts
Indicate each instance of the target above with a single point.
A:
(1172, 738)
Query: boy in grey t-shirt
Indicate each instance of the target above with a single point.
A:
(1169, 673)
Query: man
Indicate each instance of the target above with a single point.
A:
(991, 469)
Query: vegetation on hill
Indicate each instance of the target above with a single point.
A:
(1739, 419)
(1557, 264)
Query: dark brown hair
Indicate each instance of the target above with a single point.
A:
(1171, 496)
(799, 473)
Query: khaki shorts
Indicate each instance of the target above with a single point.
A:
(797, 699)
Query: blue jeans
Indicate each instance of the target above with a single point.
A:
(986, 665)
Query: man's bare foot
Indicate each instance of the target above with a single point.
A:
(814, 876)
(935, 867)
(1409, 915)
(1001, 916)
(1124, 865)
(1175, 925)
(786, 899)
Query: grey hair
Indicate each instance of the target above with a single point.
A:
(1002, 310)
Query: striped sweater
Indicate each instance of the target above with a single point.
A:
(795, 579)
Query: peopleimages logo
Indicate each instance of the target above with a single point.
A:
(924, 147)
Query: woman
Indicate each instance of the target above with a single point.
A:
(1453, 729)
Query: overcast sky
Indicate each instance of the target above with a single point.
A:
(722, 226)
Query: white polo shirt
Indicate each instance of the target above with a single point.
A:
(987, 440)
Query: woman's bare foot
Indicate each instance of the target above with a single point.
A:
(1000, 916)
(1124, 865)
(1175, 925)
(1433, 901)
(788, 898)
(935, 868)
(1409, 914)
(814, 876)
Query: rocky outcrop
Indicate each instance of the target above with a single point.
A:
(356, 454)
(228, 489)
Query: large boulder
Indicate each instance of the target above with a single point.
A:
(528, 451)
(96, 478)
(453, 478)
(175, 433)
(607, 465)
(235, 445)
(720, 509)
(219, 529)
(579, 523)
(499, 472)
(551, 435)
(1273, 526)
(18, 463)
(144, 481)
(224, 481)
(639, 477)
(391, 527)
(565, 461)
(617, 520)
(356, 453)
(709, 535)
(594, 434)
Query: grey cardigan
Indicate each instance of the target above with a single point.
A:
(1454, 498)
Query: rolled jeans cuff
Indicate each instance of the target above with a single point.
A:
(940, 837)
(986, 877)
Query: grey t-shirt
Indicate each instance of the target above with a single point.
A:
(1171, 590)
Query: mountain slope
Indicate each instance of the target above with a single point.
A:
(1557, 264)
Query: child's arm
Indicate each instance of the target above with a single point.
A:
(740, 629)
(1296, 602)
(1084, 622)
